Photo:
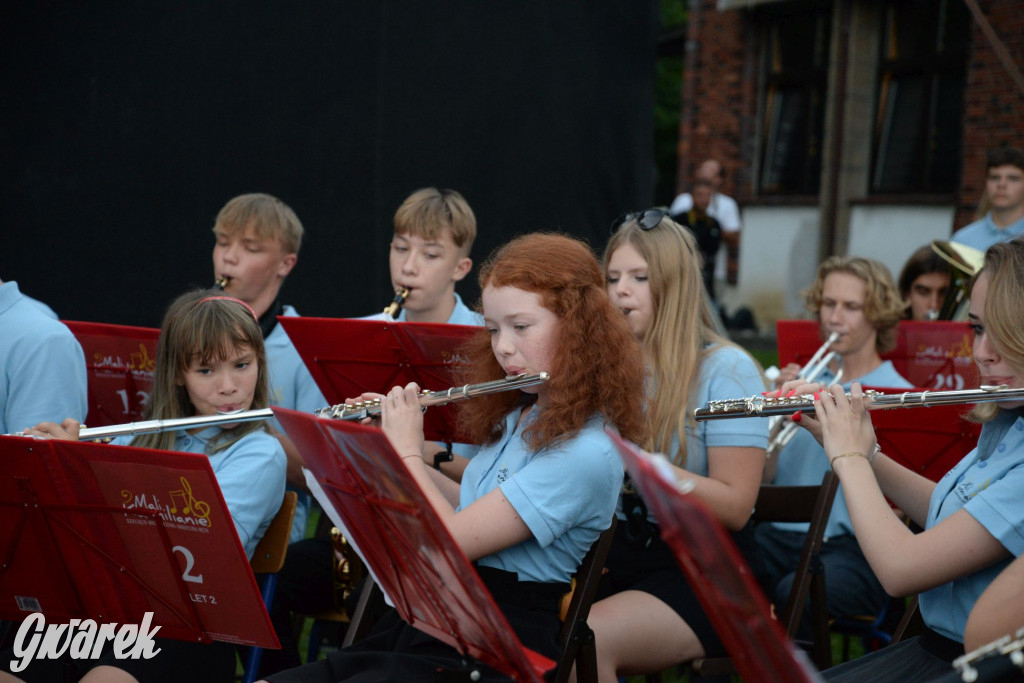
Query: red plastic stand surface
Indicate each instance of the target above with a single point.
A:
(93, 531)
(405, 545)
(723, 582)
(347, 357)
(929, 441)
(932, 355)
(120, 362)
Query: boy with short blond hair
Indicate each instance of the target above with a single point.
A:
(434, 231)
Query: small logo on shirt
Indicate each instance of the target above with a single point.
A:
(502, 473)
(968, 489)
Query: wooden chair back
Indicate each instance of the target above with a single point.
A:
(811, 504)
(576, 637)
(268, 558)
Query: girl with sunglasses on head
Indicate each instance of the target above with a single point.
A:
(973, 518)
(210, 360)
(648, 618)
(543, 487)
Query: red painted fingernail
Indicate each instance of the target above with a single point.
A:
(778, 393)
(764, 393)
(817, 395)
(791, 393)
(797, 416)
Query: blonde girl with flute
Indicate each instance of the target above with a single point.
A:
(973, 518)
(648, 617)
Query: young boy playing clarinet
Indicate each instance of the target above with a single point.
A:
(257, 245)
(434, 233)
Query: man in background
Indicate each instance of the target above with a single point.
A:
(722, 208)
(1004, 189)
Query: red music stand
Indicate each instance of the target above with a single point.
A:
(119, 363)
(404, 544)
(932, 355)
(347, 357)
(929, 441)
(108, 533)
(936, 355)
(723, 582)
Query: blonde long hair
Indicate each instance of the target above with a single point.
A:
(203, 325)
(683, 327)
(1004, 309)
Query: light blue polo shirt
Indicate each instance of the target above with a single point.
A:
(42, 366)
(461, 315)
(983, 233)
(988, 483)
(726, 373)
(292, 387)
(565, 494)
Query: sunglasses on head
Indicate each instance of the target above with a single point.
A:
(646, 220)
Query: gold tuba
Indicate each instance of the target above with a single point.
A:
(965, 262)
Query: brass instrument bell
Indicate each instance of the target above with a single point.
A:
(965, 262)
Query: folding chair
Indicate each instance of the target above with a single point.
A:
(795, 504)
(911, 624)
(576, 637)
(267, 560)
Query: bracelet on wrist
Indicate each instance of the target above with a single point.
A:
(406, 457)
(832, 462)
(443, 456)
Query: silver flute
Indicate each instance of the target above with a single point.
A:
(342, 411)
(763, 406)
(363, 409)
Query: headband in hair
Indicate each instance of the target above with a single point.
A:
(230, 298)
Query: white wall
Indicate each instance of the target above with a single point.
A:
(779, 251)
(890, 234)
(778, 259)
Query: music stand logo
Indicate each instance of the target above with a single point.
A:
(183, 511)
(81, 639)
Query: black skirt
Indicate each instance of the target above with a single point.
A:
(394, 650)
(639, 560)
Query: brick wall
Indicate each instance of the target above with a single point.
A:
(993, 102)
(719, 97)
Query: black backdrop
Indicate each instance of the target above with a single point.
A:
(124, 127)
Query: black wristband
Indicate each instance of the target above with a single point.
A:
(443, 456)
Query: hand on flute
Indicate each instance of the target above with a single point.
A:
(402, 420)
(845, 424)
(65, 431)
(806, 419)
